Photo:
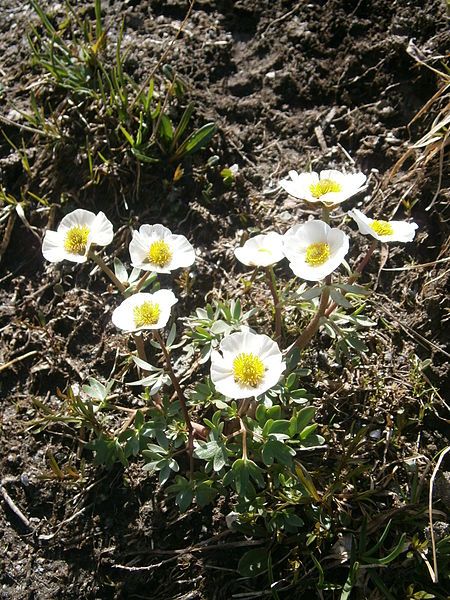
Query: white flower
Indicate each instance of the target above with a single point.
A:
(385, 231)
(329, 187)
(77, 232)
(247, 365)
(144, 311)
(155, 248)
(261, 251)
(314, 249)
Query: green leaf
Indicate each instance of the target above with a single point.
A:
(127, 135)
(351, 579)
(184, 498)
(196, 140)
(120, 270)
(220, 459)
(275, 450)
(306, 432)
(392, 555)
(312, 293)
(205, 493)
(166, 128)
(144, 157)
(340, 300)
(207, 450)
(279, 426)
(95, 389)
(253, 562)
(172, 334)
(357, 290)
(185, 118)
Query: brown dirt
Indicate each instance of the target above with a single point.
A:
(268, 73)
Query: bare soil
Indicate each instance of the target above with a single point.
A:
(290, 85)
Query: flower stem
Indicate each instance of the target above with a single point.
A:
(313, 326)
(276, 300)
(358, 270)
(104, 267)
(243, 430)
(141, 282)
(326, 213)
(181, 398)
(140, 348)
(244, 406)
(138, 340)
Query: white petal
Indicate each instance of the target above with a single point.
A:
(164, 298)
(309, 273)
(355, 181)
(123, 315)
(53, 246)
(261, 251)
(101, 232)
(334, 175)
(139, 248)
(183, 252)
(232, 344)
(299, 186)
(297, 239)
(335, 197)
(362, 221)
(157, 231)
(77, 218)
(338, 241)
(403, 231)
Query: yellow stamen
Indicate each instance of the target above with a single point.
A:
(324, 186)
(317, 254)
(146, 314)
(264, 250)
(159, 254)
(382, 227)
(76, 239)
(248, 369)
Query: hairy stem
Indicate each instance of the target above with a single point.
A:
(140, 348)
(243, 431)
(141, 282)
(244, 406)
(358, 270)
(276, 301)
(181, 398)
(104, 267)
(313, 326)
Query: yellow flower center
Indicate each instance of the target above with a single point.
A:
(248, 369)
(317, 254)
(324, 186)
(382, 227)
(76, 240)
(159, 253)
(264, 250)
(146, 314)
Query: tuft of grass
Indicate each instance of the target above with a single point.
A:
(85, 104)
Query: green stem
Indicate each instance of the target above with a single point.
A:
(276, 300)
